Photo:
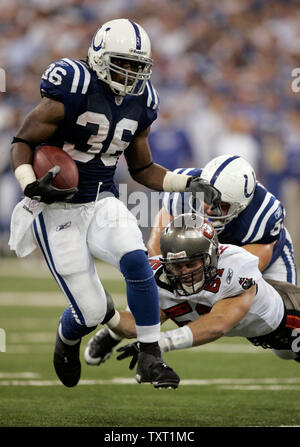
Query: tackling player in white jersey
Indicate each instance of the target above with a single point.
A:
(252, 217)
(212, 290)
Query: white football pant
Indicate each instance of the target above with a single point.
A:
(70, 235)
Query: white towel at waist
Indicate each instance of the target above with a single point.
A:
(21, 237)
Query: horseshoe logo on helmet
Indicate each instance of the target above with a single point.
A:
(246, 193)
(98, 47)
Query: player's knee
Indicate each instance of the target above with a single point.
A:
(95, 316)
(135, 265)
(285, 354)
(128, 242)
(94, 311)
(100, 312)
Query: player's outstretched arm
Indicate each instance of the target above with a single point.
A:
(264, 253)
(139, 160)
(144, 171)
(126, 325)
(160, 221)
(224, 315)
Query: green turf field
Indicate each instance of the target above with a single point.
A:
(225, 383)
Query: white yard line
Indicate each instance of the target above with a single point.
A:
(19, 375)
(45, 299)
(272, 384)
(233, 348)
(21, 343)
(35, 299)
(36, 267)
(30, 337)
(259, 387)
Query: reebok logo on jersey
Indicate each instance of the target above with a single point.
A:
(229, 276)
(119, 100)
(246, 283)
(63, 226)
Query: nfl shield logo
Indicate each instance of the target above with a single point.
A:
(118, 100)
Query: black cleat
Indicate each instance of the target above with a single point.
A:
(153, 369)
(100, 347)
(66, 362)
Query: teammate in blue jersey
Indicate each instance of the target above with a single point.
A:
(252, 217)
(95, 110)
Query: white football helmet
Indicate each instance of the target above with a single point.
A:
(117, 41)
(235, 178)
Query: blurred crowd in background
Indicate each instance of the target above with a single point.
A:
(223, 71)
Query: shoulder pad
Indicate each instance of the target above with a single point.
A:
(239, 270)
(65, 77)
(264, 212)
(151, 96)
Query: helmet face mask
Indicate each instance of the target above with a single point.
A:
(189, 253)
(120, 56)
(235, 178)
(192, 281)
(219, 223)
(131, 82)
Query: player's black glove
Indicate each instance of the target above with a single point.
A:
(42, 190)
(130, 350)
(212, 195)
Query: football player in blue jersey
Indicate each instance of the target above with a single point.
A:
(95, 110)
(252, 217)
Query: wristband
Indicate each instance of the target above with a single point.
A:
(176, 339)
(114, 321)
(175, 182)
(25, 175)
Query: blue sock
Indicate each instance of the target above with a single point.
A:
(142, 294)
(72, 330)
